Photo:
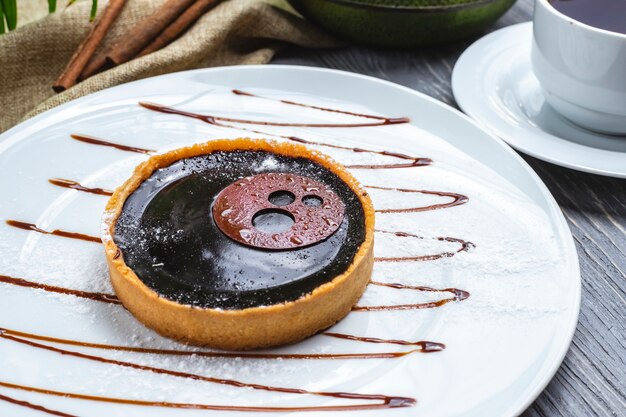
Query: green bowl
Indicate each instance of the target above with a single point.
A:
(402, 23)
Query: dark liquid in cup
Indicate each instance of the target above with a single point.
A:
(603, 14)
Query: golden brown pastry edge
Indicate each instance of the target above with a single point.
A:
(248, 328)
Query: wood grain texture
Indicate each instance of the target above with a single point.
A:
(592, 379)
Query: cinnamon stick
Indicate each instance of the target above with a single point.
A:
(181, 24)
(86, 49)
(98, 63)
(138, 38)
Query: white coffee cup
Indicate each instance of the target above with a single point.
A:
(581, 69)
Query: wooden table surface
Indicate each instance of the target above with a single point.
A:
(592, 379)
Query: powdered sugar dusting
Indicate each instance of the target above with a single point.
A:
(516, 274)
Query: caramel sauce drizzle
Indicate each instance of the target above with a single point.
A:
(465, 246)
(95, 141)
(383, 401)
(212, 119)
(457, 199)
(295, 103)
(97, 296)
(424, 346)
(57, 232)
(217, 121)
(460, 294)
(60, 182)
(413, 161)
(457, 295)
(31, 405)
(388, 402)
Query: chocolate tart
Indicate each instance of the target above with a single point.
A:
(239, 244)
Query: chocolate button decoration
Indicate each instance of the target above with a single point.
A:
(255, 210)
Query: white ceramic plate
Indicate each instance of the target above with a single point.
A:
(503, 343)
(494, 84)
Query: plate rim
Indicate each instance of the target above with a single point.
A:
(463, 90)
(7, 140)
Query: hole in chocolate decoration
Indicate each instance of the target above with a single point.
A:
(312, 200)
(281, 198)
(273, 220)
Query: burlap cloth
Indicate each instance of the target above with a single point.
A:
(235, 32)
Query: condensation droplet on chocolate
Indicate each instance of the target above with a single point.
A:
(329, 222)
(245, 234)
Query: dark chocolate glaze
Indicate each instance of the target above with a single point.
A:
(167, 235)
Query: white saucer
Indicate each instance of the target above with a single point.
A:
(494, 84)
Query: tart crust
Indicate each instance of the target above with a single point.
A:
(248, 328)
